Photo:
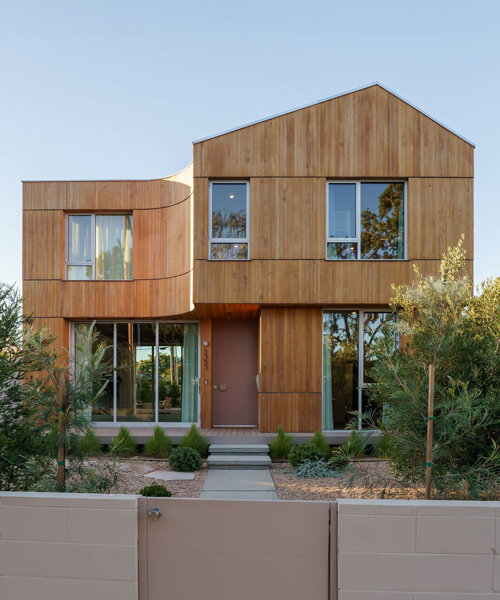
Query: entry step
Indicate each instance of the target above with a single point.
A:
(239, 449)
(239, 461)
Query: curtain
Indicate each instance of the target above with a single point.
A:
(327, 386)
(190, 374)
(113, 243)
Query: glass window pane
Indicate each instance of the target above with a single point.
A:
(229, 251)
(382, 220)
(79, 238)
(342, 210)
(113, 240)
(79, 272)
(340, 368)
(229, 202)
(136, 371)
(341, 250)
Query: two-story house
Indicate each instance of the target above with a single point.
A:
(248, 289)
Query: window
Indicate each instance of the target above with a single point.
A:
(365, 220)
(99, 247)
(348, 340)
(228, 220)
(155, 375)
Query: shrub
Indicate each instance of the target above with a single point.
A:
(196, 441)
(159, 445)
(339, 459)
(88, 444)
(155, 490)
(302, 452)
(319, 440)
(382, 446)
(355, 445)
(281, 445)
(123, 444)
(314, 469)
(185, 459)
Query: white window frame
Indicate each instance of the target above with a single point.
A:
(361, 355)
(357, 239)
(91, 263)
(115, 422)
(246, 239)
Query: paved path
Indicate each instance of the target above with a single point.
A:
(239, 484)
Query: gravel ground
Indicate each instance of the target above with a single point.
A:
(362, 479)
(132, 480)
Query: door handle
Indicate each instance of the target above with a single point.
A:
(222, 387)
(154, 514)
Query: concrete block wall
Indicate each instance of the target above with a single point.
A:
(418, 550)
(76, 546)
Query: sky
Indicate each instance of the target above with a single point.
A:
(115, 89)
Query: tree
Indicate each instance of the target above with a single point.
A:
(443, 324)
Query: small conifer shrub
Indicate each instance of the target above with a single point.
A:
(159, 445)
(301, 452)
(281, 445)
(155, 490)
(88, 444)
(193, 439)
(184, 459)
(319, 440)
(123, 444)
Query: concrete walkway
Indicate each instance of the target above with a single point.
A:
(239, 484)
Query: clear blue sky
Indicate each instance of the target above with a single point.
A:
(118, 89)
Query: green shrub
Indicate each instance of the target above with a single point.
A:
(159, 445)
(281, 445)
(123, 444)
(315, 468)
(89, 444)
(355, 445)
(383, 446)
(339, 459)
(319, 440)
(185, 459)
(302, 452)
(155, 490)
(196, 441)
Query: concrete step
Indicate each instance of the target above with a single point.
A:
(238, 461)
(239, 449)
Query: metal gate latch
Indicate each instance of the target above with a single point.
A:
(154, 514)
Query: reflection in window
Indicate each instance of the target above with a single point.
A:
(229, 220)
(348, 335)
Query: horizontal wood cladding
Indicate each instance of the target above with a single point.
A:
(107, 195)
(368, 133)
(440, 210)
(303, 281)
(140, 299)
(290, 350)
(294, 412)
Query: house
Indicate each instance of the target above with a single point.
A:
(247, 289)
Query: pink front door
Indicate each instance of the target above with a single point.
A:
(234, 369)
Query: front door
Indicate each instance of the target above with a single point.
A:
(234, 369)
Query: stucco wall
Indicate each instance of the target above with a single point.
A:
(418, 550)
(76, 546)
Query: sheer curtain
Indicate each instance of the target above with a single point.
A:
(113, 243)
(190, 374)
(327, 386)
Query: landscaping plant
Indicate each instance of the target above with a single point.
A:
(319, 440)
(193, 439)
(89, 444)
(301, 452)
(159, 444)
(281, 445)
(315, 468)
(185, 459)
(123, 444)
(155, 490)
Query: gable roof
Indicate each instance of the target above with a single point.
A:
(363, 87)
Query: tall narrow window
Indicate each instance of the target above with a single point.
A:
(99, 247)
(228, 221)
(366, 220)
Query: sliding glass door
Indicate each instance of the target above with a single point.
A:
(155, 372)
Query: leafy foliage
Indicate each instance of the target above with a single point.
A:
(123, 444)
(339, 458)
(193, 439)
(443, 324)
(92, 477)
(89, 444)
(155, 490)
(159, 444)
(185, 459)
(315, 469)
(355, 445)
(301, 452)
(319, 440)
(281, 445)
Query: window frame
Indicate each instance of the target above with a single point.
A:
(246, 239)
(357, 239)
(68, 263)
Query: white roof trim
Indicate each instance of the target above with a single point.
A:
(363, 87)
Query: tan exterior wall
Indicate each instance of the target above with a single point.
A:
(418, 550)
(76, 546)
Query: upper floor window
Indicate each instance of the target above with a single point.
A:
(228, 220)
(365, 220)
(99, 247)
